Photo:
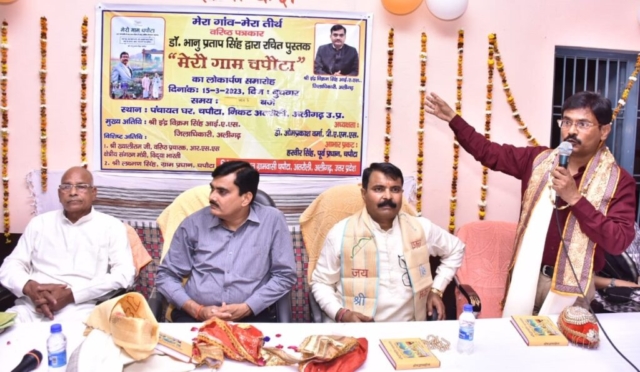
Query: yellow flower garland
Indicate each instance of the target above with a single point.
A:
(423, 90)
(456, 146)
(387, 137)
(43, 103)
(510, 100)
(83, 92)
(4, 107)
(625, 93)
(487, 127)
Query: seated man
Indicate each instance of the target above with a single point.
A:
(237, 254)
(374, 265)
(618, 283)
(67, 259)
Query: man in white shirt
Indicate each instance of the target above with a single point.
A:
(374, 265)
(67, 259)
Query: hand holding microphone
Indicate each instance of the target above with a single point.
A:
(562, 180)
(30, 362)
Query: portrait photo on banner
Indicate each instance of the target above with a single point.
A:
(137, 58)
(337, 49)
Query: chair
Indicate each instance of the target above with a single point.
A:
(488, 253)
(329, 208)
(184, 205)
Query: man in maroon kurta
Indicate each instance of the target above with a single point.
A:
(585, 123)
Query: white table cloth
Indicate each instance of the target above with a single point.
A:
(498, 347)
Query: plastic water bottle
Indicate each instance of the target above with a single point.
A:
(57, 349)
(467, 324)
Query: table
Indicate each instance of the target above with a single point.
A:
(498, 347)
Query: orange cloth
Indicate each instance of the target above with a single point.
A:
(217, 339)
(347, 363)
(140, 255)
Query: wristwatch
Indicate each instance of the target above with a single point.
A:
(437, 291)
(612, 283)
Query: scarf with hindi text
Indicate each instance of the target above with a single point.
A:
(360, 278)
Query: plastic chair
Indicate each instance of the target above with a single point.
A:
(488, 253)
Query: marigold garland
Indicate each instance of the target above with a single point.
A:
(43, 103)
(510, 100)
(625, 93)
(456, 146)
(387, 137)
(83, 92)
(4, 107)
(423, 90)
(487, 127)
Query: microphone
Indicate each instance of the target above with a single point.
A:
(564, 151)
(30, 362)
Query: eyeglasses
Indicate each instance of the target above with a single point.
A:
(80, 187)
(580, 124)
(405, 277)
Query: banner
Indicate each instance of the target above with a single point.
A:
(183, 89)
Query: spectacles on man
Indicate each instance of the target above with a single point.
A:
(580, 124)
(80, 187)
(405, 277)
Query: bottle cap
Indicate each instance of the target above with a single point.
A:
(56, 328)
(467, 307)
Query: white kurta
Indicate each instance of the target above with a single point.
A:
(92, 257)
(395, 300)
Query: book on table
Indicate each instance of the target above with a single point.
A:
(408, 353)
(178, 349)
(538, 330)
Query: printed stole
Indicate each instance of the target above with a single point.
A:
(598, 185)
(360, 266)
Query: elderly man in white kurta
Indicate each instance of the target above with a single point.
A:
(374, 265)
(67, 259)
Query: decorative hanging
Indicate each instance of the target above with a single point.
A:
(456, 146)
(83, 92)
(510, 100)
(4, 107)
(387, 137)
(487, 127)
(423, 91)
(625, 93)
(43, 103)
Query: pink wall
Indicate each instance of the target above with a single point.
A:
(527, 32)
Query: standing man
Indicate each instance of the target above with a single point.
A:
(237, 254)
(578, 212)
(67, 259)
(337, 58)
(122, 76)
(146, 85)
(374, 265)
